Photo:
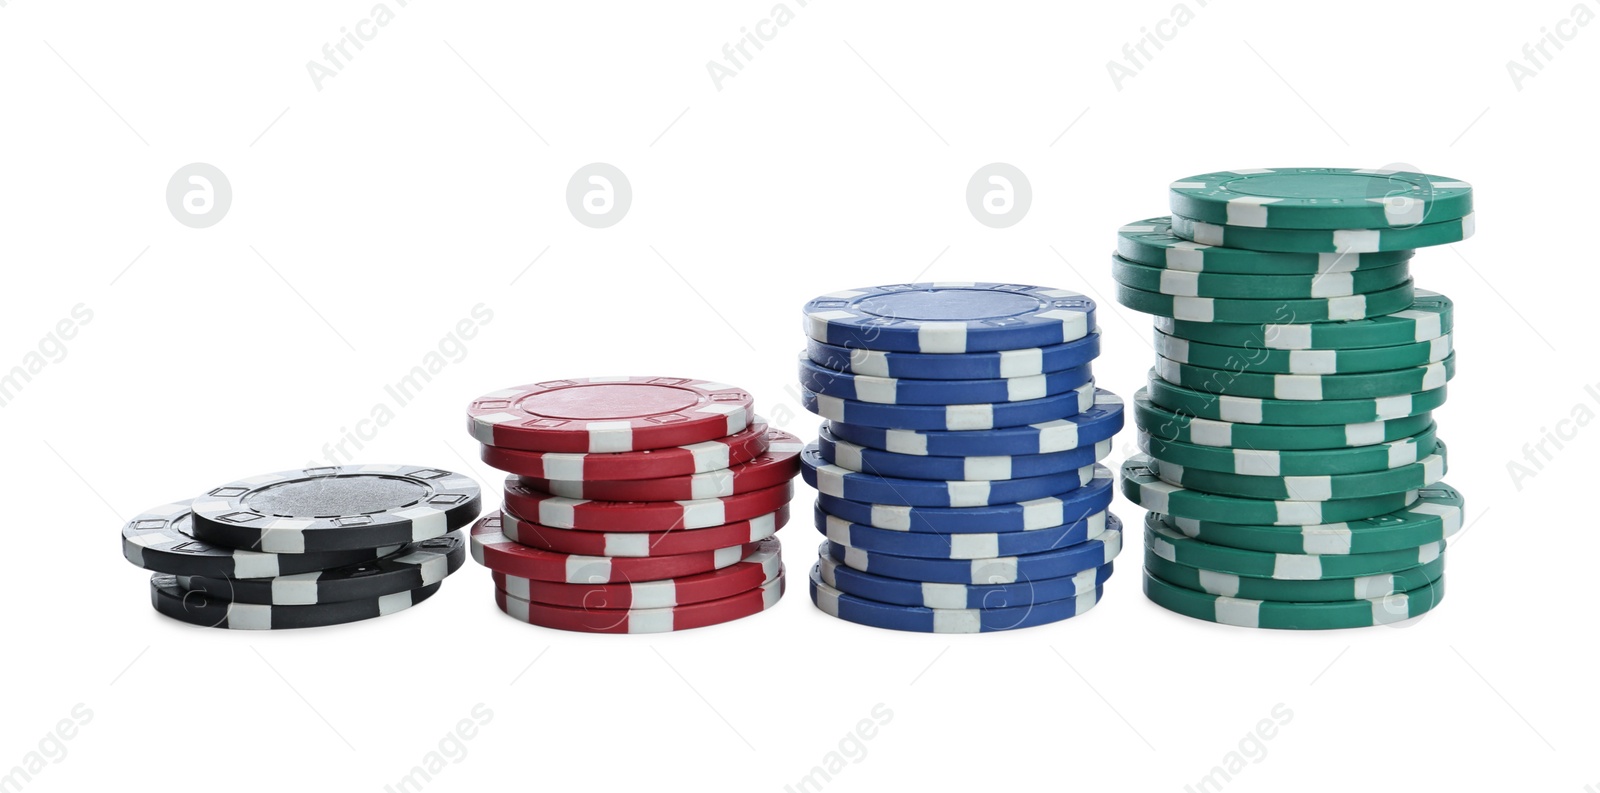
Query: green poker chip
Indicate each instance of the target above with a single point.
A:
(1187, 428)
(1321, 198)
(1429, 316)
(1254, 588)
(1323, 240)
(1260, 311)
(1273, 463)
(1152, 243)
(1246, 613)
(1250, 410)
(1262, 359)
(1323, 487)
(1141, 486)
(1191, 284)
(1308, 387)
(1437, 515)
(1175, 547)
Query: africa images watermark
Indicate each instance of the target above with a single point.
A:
(451, 750)
(1538, 54)
(49, 351)
(736, 54)
(1138, 54)
(51, 749)
(338, 54)
(1536, 454)
(1250, 750)
(850, 750)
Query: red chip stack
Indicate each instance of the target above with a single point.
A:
(634, 504)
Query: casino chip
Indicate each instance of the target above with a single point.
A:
(305, 548)
(634, 505)
(1292, 469)
(956, 472)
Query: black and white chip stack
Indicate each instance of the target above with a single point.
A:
(305, 548)
(959, 490)
(1292, 468)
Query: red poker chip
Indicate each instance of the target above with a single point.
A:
(778, 464)
(662, 620)
(533, 506)
(609, 414)
(698, 458)
(643, 543)
(752, 571)
(494, 550)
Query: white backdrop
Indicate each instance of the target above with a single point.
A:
(376, 204)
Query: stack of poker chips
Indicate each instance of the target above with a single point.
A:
(305, 548)
(1292, 469)
(634, 504)
(956, 471)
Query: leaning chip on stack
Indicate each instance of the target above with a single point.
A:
(1292, 470)
(957, 469)
(305, 548)
(634, 504)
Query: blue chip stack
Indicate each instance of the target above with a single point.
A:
(957, 469)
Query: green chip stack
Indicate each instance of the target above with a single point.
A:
(1292, 470)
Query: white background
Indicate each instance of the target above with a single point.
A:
(369, 217)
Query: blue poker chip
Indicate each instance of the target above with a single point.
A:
(1033, 515)
(1058, 563)
(896, 391)
(925, 620)
(960, 596)
(1100, 422)
(985, 416)
(927, 545)
(988, 468)
(956, 366)
(949, 317)
(842, 482)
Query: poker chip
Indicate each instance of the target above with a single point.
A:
(1324, 589)
(650, 620)
(949, 317)
(1152, 243)
(999, 364)
(1182, 401)
(494, 550)
(775, 466)
(1292, 471)
(929, 545)
(528, 504)
(761, 566)
(1262, 310)
(696, 458)
(348, 507)
(1100, 422)
(1141, 486)
(1325, 487)
(1429, 316)
(833, 480)
(1324, 240)
(1057, 563)
(1167, 425)
(958, 460)
(1436, 516)
(671, 542)
(986, 416)
(305, 548)
(1321, 198)
(608, 414)
(1034, 515)
(414, 566)
(1185, 283)
(928, 620)
(960, 596)
(987, 468)
(897, 391)
(206, 610)
(1368, 385)
(1270, 462)
(1246, 613)
(161, 539)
